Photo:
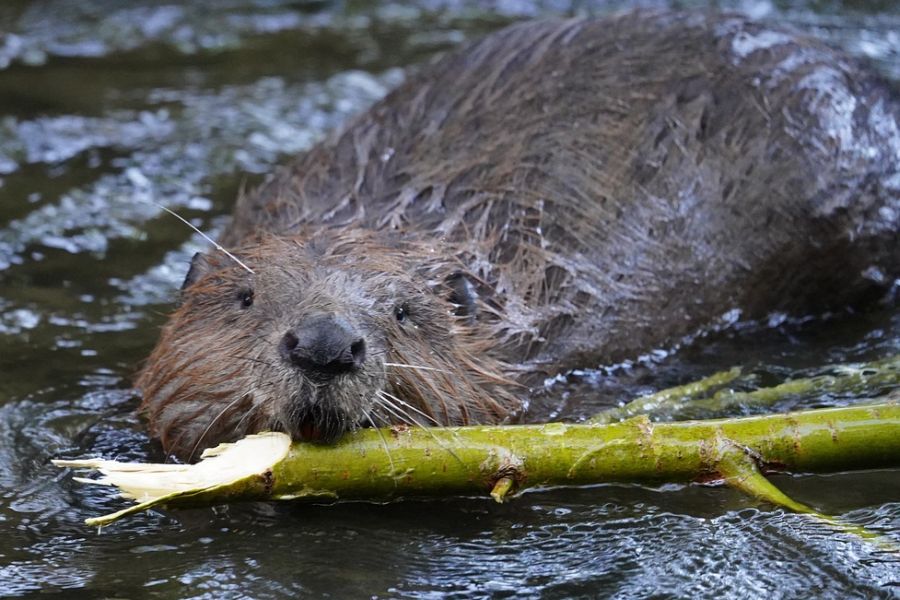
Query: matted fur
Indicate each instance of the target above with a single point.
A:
(606, 186)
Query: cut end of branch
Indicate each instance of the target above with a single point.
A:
(502, 488)
(151, 484)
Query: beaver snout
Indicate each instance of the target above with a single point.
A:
(324, 347)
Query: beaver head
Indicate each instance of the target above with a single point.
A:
(315, 335)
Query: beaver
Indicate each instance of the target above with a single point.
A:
(559, 194)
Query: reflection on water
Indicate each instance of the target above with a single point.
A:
(108, 109)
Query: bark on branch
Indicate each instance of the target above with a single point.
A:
(382, 464)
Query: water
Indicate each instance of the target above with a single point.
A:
(108, 108)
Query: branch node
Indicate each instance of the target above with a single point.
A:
(502, 487)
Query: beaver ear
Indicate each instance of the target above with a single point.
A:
(200, 266)
(463, 294)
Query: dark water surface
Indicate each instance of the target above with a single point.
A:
(107, 107)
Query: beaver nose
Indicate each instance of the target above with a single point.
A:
(324, 347)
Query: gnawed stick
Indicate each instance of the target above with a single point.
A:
(374, 465)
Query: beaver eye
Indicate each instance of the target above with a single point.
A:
(246, 298)
(401, 312)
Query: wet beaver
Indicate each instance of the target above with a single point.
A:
(556, 195)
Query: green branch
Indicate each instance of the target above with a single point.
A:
(710, 398)
(378, 465)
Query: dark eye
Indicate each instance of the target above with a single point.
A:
(246, 298)
(401, 312)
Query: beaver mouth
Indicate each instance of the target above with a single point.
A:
(319, 425)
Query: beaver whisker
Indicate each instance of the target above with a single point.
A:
(253, 360)
(398, 412)
(184, 431)
(387, 450)
(218, 246)
(213, 422)
(420, 367)
(410, 406)
(252, 412)
(391, 408)
(385, 422)
(374, 411)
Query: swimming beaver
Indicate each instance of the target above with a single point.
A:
(556, 195)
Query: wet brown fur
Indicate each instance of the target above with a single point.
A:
(219, 377)
(607, 187)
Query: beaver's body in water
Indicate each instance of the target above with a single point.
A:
(557, 195)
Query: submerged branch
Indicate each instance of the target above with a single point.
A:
(710, 398)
